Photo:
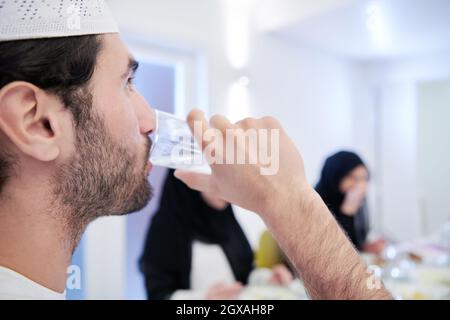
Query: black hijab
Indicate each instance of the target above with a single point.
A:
(182, 217)
(336, 168)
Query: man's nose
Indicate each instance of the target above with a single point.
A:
(146, 116)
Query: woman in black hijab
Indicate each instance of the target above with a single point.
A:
(343, 187)
(184, 217)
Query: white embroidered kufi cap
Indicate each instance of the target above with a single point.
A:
(36, 19)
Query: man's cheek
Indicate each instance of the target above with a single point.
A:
(124, 123)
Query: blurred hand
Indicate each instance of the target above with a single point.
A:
(243, 184)
(281, 275)
(375, 247)
(214, 202)
(222, 291)
(354, 199)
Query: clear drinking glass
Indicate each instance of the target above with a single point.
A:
(174, 145)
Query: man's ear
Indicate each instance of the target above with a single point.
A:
(29, 117)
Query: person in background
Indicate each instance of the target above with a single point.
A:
(343, 188)
(196, 249)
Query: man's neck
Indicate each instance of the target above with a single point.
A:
(33, 241)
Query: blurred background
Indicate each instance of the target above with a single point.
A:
(372, 77)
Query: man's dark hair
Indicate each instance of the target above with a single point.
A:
(62, 66)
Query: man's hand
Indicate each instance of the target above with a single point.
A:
(214, 202)
(255, 191)
(301, 223)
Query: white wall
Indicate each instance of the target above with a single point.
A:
(193, 26)
(310, 92)
(398, 186)
(413, 69)
(399, 205)
(433, 152)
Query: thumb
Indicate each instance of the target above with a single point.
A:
(196, 181)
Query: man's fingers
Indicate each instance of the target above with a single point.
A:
(196, 181)
(198, 125)
(220, 122)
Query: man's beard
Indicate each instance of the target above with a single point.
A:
(101, 179)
